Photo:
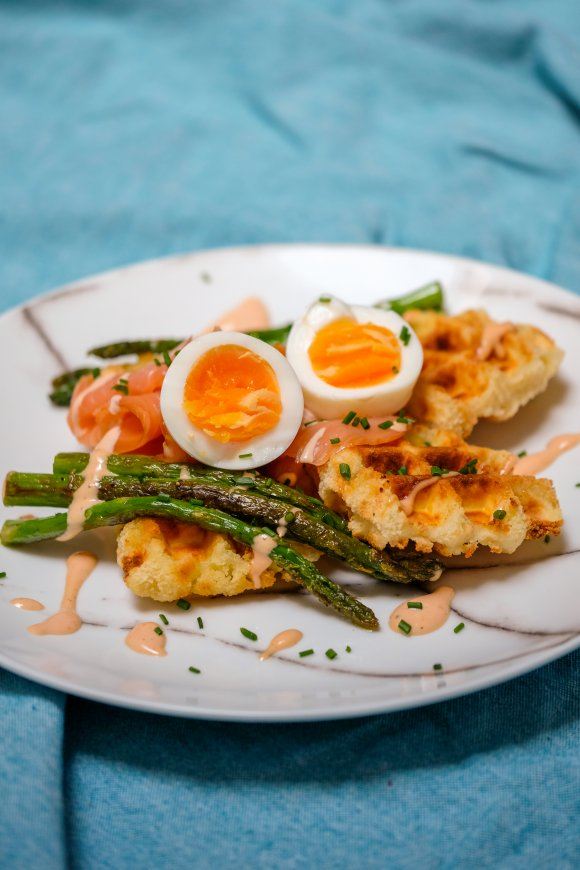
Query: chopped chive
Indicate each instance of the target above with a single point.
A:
(334, 440)
(311, 423)
(395, 370)
(344, 469)
(365, 423)
(196, 502)
(194, 670)
(158, 629)
(156, 361)
(245, 455)
(95, 373)
(350, 416)
(415, 605)
(402, 419)
(356, 421)
(469, 467)
(183, 604)
(577, 484)
(289, 517)
(166, 358)
(2, 575)
(348, 649)
(122, 387)
(306, 652)
(438, 667)
(404, 627)
(522, 453)
(405, 335)
(163, 619)
(459, 628)
(324, 299)
(499, 514)
(427, 444)
(330, 654)
(402, 469)
(437, 471)
(249, 634)
(547, 539)
(200, 622)
(386, 425)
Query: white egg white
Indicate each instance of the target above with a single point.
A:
(264, 448)
(330, 402)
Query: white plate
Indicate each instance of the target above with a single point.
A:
(517, 616)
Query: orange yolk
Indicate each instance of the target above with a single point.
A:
(349, 354)
(232, 394)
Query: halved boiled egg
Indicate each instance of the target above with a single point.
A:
(353, 357)
(231, 401)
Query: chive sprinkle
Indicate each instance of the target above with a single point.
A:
(404, 627)
(469, 467)
(249, 634)
(437, 471)
(156, 361)
(122, 387)
(200, 621)
(246, 455)
(386, 425)
(330, 654)
(395, 370)
(95, 373)
(311, 423)
(402, 419)
(459, 628)
(405, 335)
(522, 453)
(499, 515)
(365, 423)
(427, 444)
(2, 575)
(402, 469)
(306, 652)
(183, 604)
(438, 667)
(348, 649)
(335, 440)
(166, 358)
(577, 484)
(415, 605)
(194, 670)
(158, 630)
(547, 539)
(356, 421)
(344, 469)
(324, 299)
(350, 417)
(163, 619)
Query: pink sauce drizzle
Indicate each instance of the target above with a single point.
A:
(282, 527)
(87, 494)
(66, 620)
(261, 549)
(408, 503)
(490, 340)
(284, 640)
(27, 604)
(434, 613)
(145, 640)
(536, 462)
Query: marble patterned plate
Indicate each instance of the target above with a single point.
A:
(519, 612)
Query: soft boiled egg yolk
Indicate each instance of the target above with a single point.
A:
(345, 353)
(232, 394)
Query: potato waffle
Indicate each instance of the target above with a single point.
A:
(457, 387)
(452, 516)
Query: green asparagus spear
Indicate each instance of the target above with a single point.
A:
(278, 335)
(146, 466)
(63, 385)
(123, 510)
(429, 297)
(126, 348)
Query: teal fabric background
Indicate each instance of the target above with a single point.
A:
(135, 129)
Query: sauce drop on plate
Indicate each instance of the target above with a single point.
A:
(434, 613)
(536, 462)
(145, 640)
(27, 604)
(284, 640)
(66, 620)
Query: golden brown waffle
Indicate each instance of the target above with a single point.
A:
(454, 515)
(456, 388)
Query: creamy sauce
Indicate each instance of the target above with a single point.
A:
(282, 526)
(509, 466)
(310, 447)
(262, 547)
(281, 641)
(536, 462)
(144, 639)
(490, 340)
(184, 473)
(27, 604)
(434, 613)
(87, 494)
(66, 620)
(114, 405)
(250, 314)
(408, 503)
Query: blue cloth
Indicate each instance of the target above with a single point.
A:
(136, 129)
